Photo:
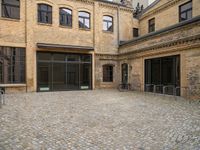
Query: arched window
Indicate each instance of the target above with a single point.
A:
(107, 73)
(66, 17)
(108, 23)
(84, 20)
(44, 13)
(11, 9)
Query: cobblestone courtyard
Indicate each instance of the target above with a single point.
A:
(99, 119)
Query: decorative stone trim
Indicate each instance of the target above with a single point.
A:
(108, 6)
(126, 9)
(172, 46)
(160, 9)
(178, 45)
(85, 1)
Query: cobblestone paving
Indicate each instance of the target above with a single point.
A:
(99, 119)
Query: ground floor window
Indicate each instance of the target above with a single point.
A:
(162, 75)
(12, 65)
(107, 73)
(61, 71)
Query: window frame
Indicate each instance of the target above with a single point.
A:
(84, 18)
(185, 11)
(108, 73)
(4, 5)
(65, 15)
(39, 11)
(151, 26)
(107, 23)
(134, 32)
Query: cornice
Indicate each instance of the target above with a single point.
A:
(159, 9)
(85, 1)
(172, 46)
(106, 5)
(180, 44)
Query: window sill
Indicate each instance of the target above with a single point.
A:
(66, 27)
(10, 19)
(108, 82)
(45, 24)
(12, 85)
(84, 29)
(109, 32)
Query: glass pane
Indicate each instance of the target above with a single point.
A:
(59, 76)
(59, 57)
(85, 76)
(73, 58)
(44, 56)
(73, 76)
(107, 18)
(44, 76)
(84, 14)
(189, 14)
(87, 23)
(186, 6)
(105, 28)
(12, 2)
(86, 58)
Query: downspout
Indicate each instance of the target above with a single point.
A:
(118, 34)
(25, 21)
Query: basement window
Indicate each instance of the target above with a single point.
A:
(10, 9)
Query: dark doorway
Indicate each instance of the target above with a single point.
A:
(125, 73)
(162, 75)
(61, 71)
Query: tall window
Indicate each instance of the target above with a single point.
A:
(12, 65)
(65, 17)
(107, 73)
(108, 23)
(135, 32)
(11, 9)
(152, 25)
(185, 11)
(1, 71)
(84, 20)
(44, 13)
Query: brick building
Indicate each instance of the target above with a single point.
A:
(48, 45)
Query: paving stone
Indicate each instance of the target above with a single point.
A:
(98, 120)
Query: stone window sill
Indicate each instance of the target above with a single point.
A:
(9, 19)
(12, 85)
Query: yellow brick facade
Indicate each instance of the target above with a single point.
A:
(27, 32)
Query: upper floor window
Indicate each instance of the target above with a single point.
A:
(44, 13)
(11, 9)
(108, 23)
(66, 17)
(107, 73)
(185, 11)
(152, 25)
(135, 32)
(84, 20)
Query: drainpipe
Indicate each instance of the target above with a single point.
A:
(118, 34)
(25, 21)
